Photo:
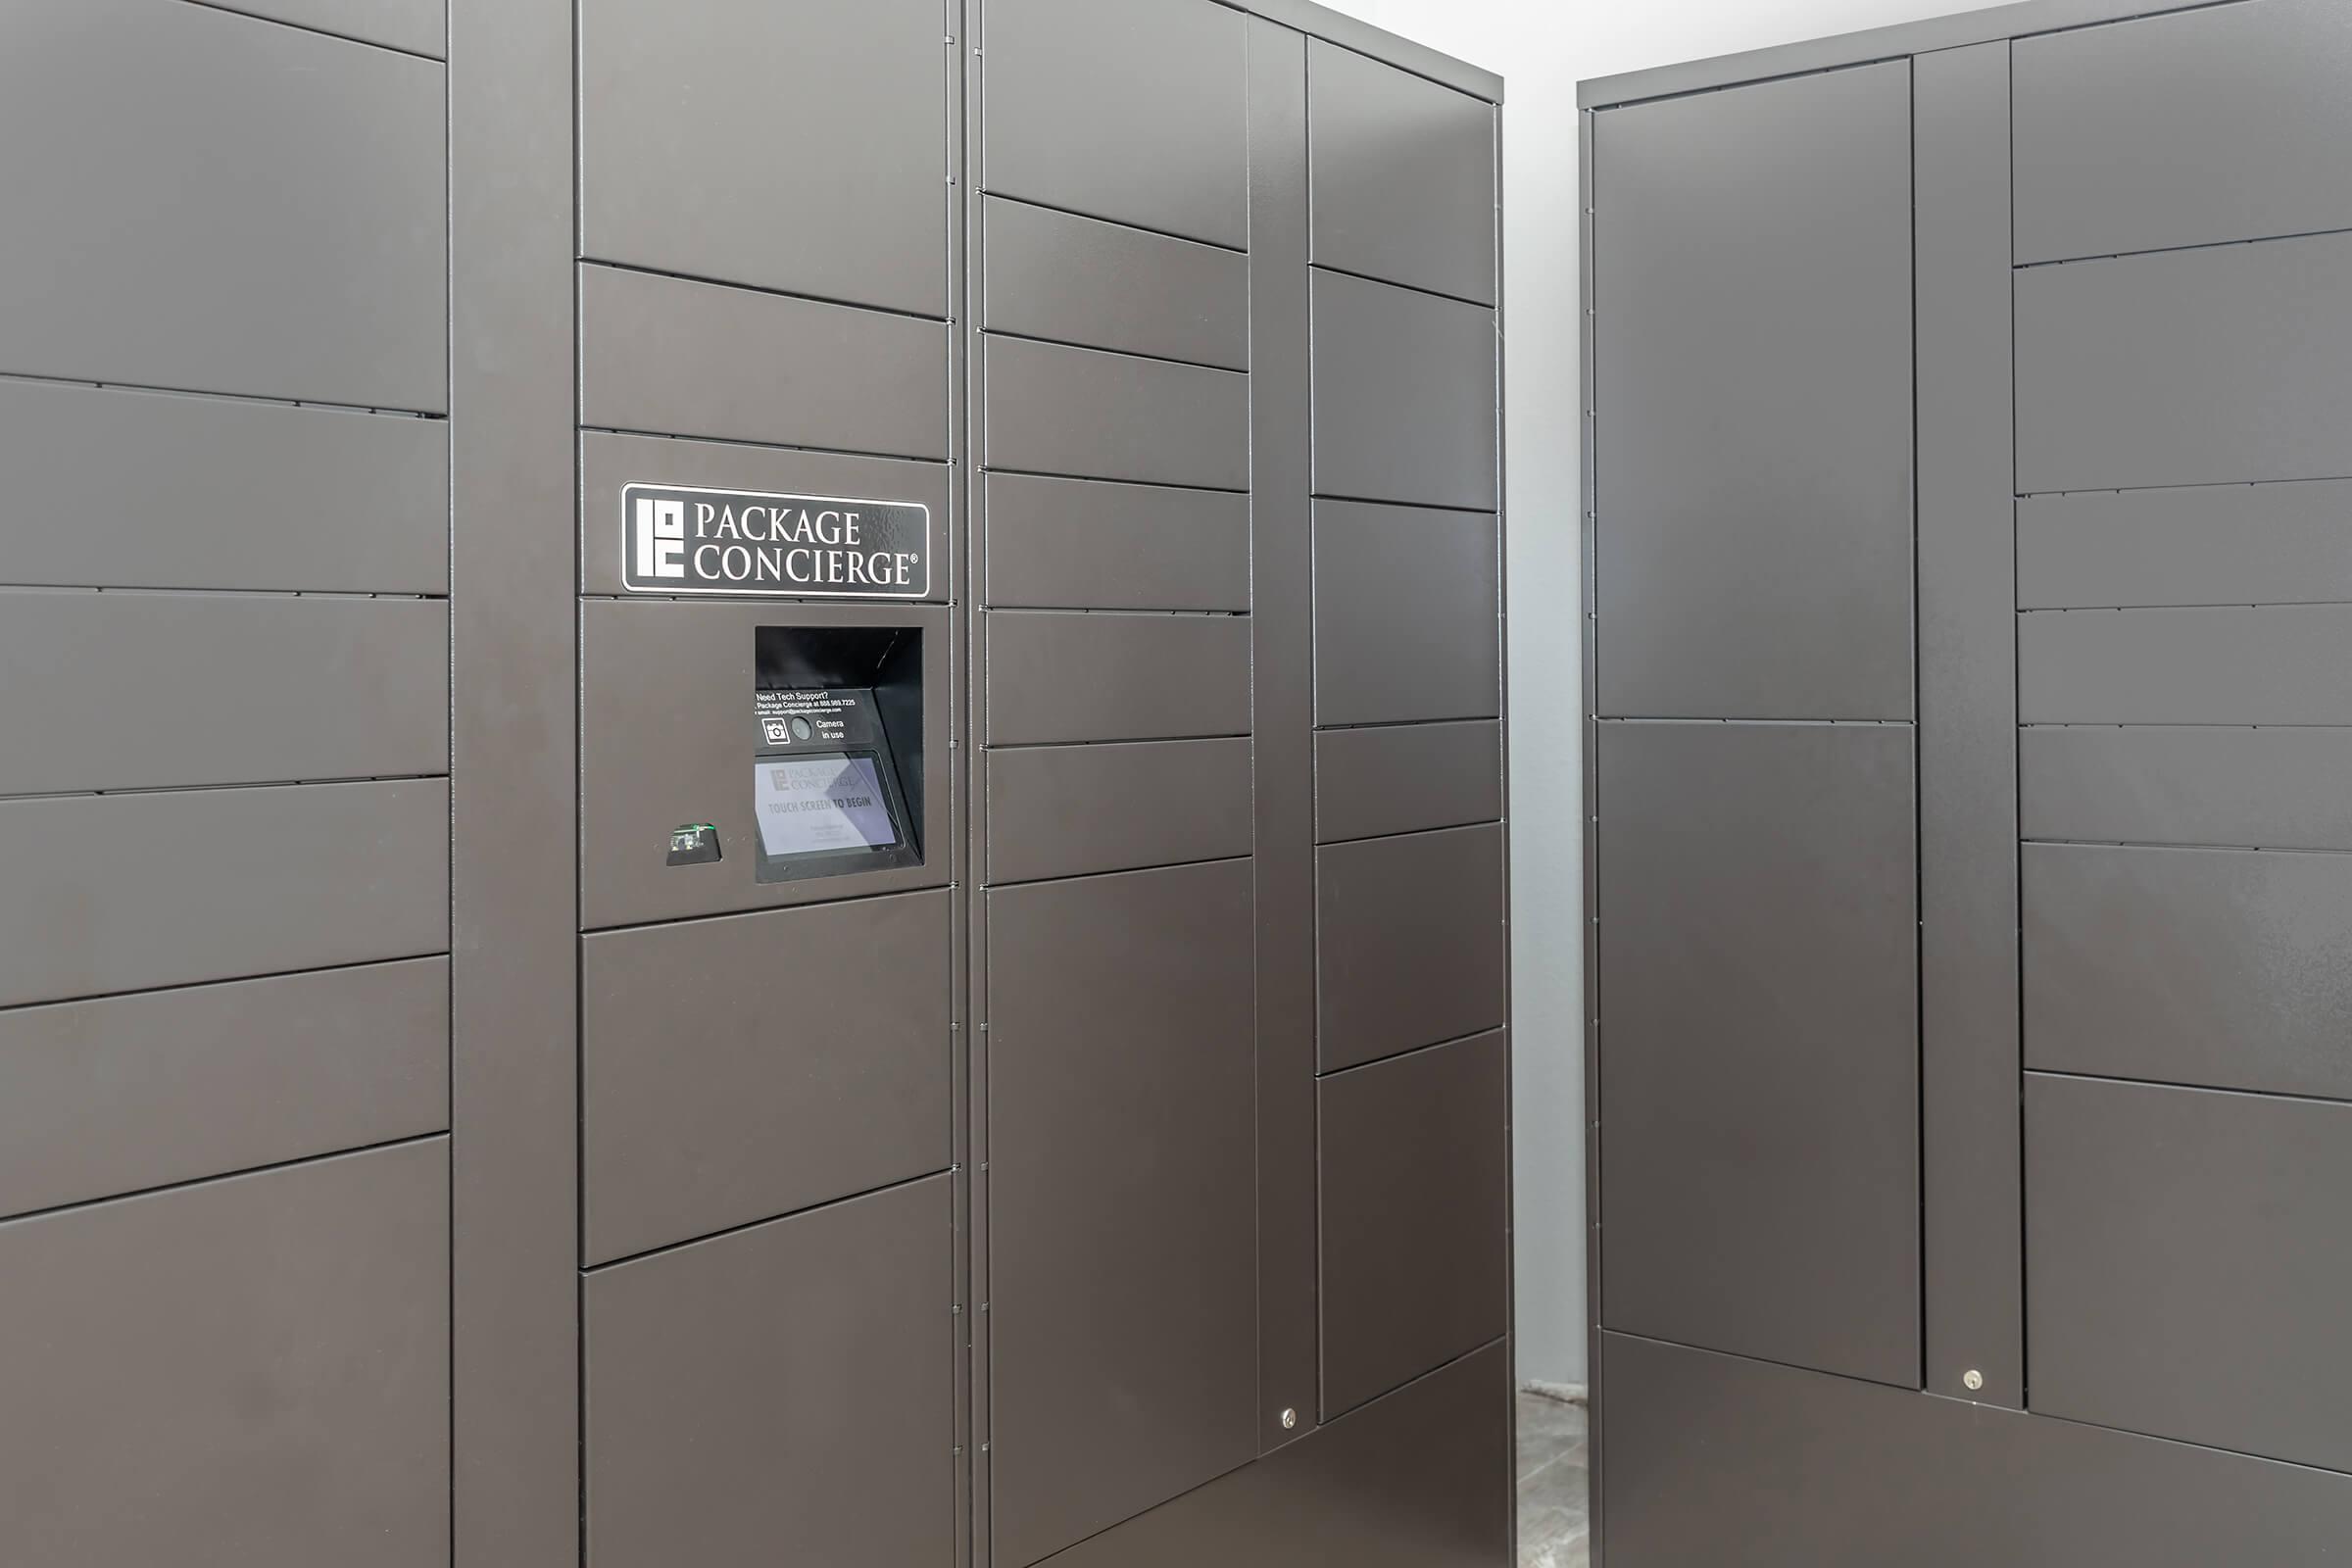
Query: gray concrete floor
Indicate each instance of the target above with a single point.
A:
(1554, 1517)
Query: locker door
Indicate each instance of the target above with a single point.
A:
(1757, 892)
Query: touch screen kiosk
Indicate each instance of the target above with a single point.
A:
(837, 760)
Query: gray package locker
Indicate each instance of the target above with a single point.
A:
(1235, 553)
(682, 687)
(226, 1151)
(1965, 409)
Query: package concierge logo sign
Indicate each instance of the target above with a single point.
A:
(679, 540)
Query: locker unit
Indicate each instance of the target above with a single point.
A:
(1240, 1083)
(226, 926)
(1966, 738)
(753, 787)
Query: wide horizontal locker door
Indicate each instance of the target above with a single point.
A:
(2218, 364)
(1753, 482)
(126, 690)
(2218, 123)
(1161, 88)
(2259, 544)
(252, 1370)
(1401, 175)
(736, 1069)
(249, 208)
(1760, 1030)
(671, 355)
(2188, 1262)
(1113, 677)
(2278, 788)
(695, 155)
(1088, 414)
(147, 888)
(1072, 810)
(2193, 665)
(1071, 280)
(1404, 778)
(784, 1393)
(118, 1094)
(189, 492)
(2222, 967)
(1068, 544)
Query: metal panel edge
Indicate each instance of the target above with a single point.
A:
(966, 29)
(1868, 45)
(1282, 719)
(1589, 759)
(1363, 38)
(1971, 1153)
(515, 1298)
(419, 28)
(961, 210)
(1502, 708)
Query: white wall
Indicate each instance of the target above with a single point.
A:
(1542, 48)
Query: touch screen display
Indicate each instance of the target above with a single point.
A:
(824, 801)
